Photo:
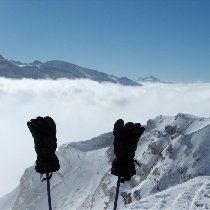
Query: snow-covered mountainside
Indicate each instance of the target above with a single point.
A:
(174, 153)
(193, 194)
(55, 70)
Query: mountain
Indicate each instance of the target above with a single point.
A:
(150, 79)
(174, 172)
(193, 194)
(55, 70)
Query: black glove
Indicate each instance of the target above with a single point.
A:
(126, 138)
(43, 131)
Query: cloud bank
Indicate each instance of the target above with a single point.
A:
(82, 109)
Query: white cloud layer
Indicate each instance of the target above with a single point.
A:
(82, 109)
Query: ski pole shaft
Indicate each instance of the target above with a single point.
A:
(117, 193)
(48, 191)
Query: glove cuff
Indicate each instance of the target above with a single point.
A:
(123, 168)
(47, 165)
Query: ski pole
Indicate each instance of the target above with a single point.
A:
(117, 193)
(48, 191)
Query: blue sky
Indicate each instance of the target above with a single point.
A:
(168, 39)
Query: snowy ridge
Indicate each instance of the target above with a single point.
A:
(174, 173)
(56, 69)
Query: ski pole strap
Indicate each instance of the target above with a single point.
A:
(48, 177)
(117, 193)
(48, 190)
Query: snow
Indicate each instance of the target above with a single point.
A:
(174, 173)
(193, 194)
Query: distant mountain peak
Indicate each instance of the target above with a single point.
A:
(149, 79)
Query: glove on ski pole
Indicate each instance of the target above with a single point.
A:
(43, 130)
(126, 137)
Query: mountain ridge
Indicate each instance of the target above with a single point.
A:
(56, 69)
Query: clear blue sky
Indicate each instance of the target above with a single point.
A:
(169, 39)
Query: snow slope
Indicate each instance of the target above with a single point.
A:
(193, 194)
(56, 69)
(174, 172)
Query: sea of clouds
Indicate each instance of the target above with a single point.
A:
(82, 109)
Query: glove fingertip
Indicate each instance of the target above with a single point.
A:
(39, 118)
(119, 122)
(118, 126)
(48, 118)
(138, 125)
